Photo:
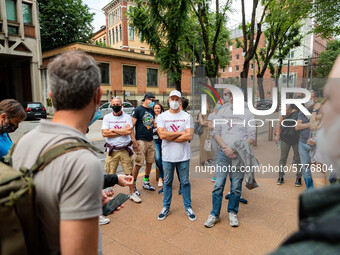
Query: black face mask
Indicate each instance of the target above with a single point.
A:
(116, 108)
(9, 129)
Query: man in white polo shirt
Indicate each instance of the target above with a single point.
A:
(117, 130)
(175, 128)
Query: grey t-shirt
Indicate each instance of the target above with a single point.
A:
(68, 188)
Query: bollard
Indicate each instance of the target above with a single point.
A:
(270, 134)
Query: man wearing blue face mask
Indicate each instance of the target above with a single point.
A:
(143, 119)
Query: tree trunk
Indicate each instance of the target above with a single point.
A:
(244, 78)
(260, 86)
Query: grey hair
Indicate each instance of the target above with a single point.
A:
(74, 77)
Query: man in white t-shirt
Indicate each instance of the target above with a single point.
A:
(117, 130)
(175, 128)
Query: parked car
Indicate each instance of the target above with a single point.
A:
(106, 108)
(34, 110)
(264, 104)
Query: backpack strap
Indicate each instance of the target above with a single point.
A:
(8, 157)
(59, 150)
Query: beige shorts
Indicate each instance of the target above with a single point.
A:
(146, 150)
(112, 162)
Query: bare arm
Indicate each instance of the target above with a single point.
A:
(210, 125)
(113, 132)
(187, 136)
(201, 120)
(71, 242)
(302, 126)
(167, 135)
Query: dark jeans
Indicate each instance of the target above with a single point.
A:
(183, 169)
(285, 148)
(235, 187)
(158, 156)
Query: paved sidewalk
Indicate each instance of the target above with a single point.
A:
(265, 222)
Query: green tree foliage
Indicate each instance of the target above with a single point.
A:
(63, 22)
(282, 24)
(162, 25)
(291, 40)
(327, 59)
(327, 17)
(210, 27)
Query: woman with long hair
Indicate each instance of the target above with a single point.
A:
(158, 109)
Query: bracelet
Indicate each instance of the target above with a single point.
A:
(118, 135)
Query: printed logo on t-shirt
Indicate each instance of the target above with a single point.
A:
(174, 127)
(148, 120)
(117, 127)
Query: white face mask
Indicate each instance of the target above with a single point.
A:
(226, 99)
(329, 145)
(174, 105)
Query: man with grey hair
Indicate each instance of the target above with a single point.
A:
(69, 188)
(319, 217)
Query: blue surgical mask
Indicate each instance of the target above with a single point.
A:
(95, 117)
(151, 104)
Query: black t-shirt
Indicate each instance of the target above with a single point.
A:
(144, 124)
(289, 134)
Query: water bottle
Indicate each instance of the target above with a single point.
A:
(278, 144)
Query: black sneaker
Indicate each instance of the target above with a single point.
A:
(160, 191)
(136, 191)
(191, 214)
(180, 190)
(298, 182)
(147, 186)
(280, 181)
(165, 212)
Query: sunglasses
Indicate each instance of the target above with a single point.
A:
(226, 94)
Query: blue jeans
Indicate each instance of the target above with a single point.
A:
(304, 150)
(158, 156)
(183, 170)
(235, 186)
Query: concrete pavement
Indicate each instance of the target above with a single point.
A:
(270, 216)
(266, 221)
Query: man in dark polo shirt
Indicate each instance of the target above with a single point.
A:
(143, 120)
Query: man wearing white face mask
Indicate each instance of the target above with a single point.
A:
(175, 128)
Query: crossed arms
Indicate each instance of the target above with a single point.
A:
(179, 136)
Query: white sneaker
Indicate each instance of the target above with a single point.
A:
(135, 198)
(233, 219)
(211, 221)
(103, 220)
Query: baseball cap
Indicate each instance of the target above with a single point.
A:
(175, 93)
(148, 95)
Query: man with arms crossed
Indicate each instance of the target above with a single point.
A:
(117, 129)
(175, 128)
(69, 188)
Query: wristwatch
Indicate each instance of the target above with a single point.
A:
(315, 110)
